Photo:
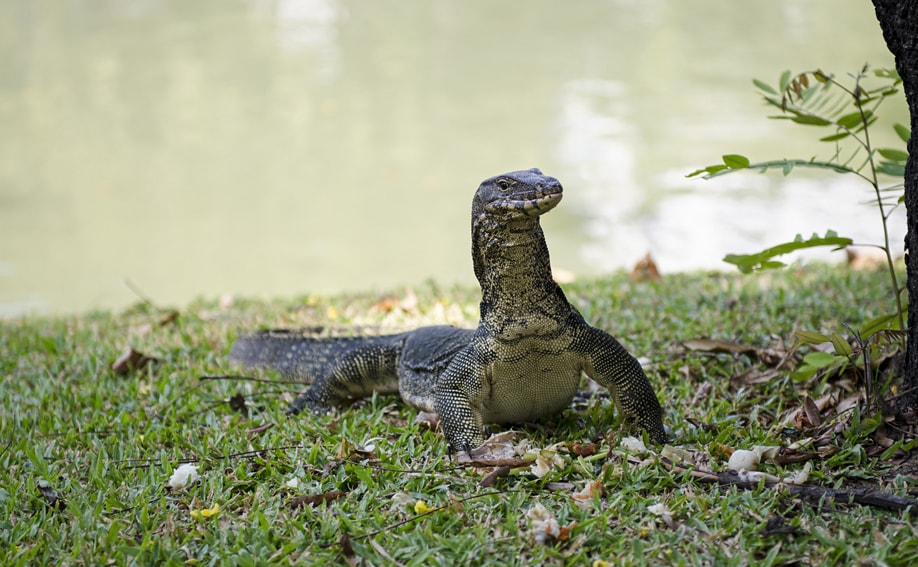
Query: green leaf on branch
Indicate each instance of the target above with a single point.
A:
(764, 86)
(903, 132)
(891, 169)
(893, 154)
(764, 260)
(841, 344)
(821, 359)
(835, 137)
(812, 337)
(808, 120)
(786, 165)
(854, 119)
(736, 161)
(784, 81)
(709, 171)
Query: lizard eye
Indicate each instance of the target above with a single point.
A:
(503, 184)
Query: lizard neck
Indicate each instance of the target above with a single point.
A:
(518, 294)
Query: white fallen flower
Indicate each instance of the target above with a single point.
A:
(659, 510)
(634, 445)
(743, 460)
(546, 461)
(543, 526)
(801, 476)
(766, 452)
(584, 498)
(292, 483)
(184, 476)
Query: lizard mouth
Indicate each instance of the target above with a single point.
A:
(535, 204)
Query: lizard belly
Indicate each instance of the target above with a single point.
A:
(530, 386)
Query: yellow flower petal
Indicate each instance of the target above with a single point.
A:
(202, 515)
(420, 507)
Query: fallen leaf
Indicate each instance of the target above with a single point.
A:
(720, 347)
(347, 551)
(51, 497)
(645, 270)
(313, 499)
(864, 258)
(496, 447)
(702, 392)
(428, 420)
(490, 479)
(812, 412)
(754, 376)
(584, 449)
(237, 403)
(169, 318)
(777, 526)
(131, 360)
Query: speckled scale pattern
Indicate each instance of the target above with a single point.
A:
(524, 362)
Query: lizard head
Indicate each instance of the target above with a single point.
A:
(518, 194)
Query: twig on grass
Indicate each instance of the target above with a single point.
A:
(875, 498)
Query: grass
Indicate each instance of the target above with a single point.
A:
(107, 443)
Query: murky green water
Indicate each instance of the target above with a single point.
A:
(274, 148)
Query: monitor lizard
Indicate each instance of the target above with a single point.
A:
(523, 362)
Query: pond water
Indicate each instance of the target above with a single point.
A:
(272, 148)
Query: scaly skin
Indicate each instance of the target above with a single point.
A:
(524, 361)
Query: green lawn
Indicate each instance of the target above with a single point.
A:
(107, 443)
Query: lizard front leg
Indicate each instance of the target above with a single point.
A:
(607, 362)
(458, 396)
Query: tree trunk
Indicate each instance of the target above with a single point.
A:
(899, 22)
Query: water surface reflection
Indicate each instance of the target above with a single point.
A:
(274, 148)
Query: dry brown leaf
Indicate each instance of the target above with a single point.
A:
(131, 360)
(169, 318)
(385, 305)
(428, 420)
(812, 412)
(865, 258)
(347, 551)
(701, 392)
(389, 303)
(754, 376)
(237, 403)
(720, 347)
(51, 497)
(496, 447)
(646, 270)
(490, 479)
(584, 449)
(313, 499)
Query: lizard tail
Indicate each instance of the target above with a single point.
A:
(299, 356)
